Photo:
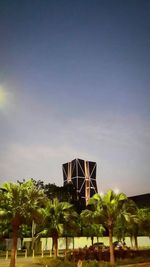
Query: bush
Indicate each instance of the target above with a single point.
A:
(90, 263)
(60, 262)
(104, 255)
(51, 262)
(96, 258)
(88, 254)
(132, 261)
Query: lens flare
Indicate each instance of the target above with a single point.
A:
(116, 190)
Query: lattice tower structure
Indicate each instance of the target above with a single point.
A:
(82, 174)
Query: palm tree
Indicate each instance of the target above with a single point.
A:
(138, 223)
(106, 211)
(89, 228)
(125, 222)
(20, 204)
(57, 216)
(145, 225)
(71, 228)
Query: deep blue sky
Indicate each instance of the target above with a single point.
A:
(75, 83)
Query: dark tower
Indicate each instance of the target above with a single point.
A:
(82, 174)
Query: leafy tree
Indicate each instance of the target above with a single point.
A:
(62, 193)
(20, 204)
(66, 193)
(106, 210)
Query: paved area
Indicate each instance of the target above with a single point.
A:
(137, 265)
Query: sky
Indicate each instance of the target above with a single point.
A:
(75, 83)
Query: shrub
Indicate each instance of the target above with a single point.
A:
(51, 262)
(60, 262)
(132, 260)
(88, 254)
(90, 263)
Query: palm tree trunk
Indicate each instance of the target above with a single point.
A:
(131, 240)
(112, 256)
(55, 242)
(73, 242)
(66, 249)
(14, 246)
(136, 242)
(33, 233)
(66, 243)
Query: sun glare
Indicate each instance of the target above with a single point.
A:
(3, 98)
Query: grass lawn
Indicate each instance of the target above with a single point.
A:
(22, 262)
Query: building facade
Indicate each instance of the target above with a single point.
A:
(82, 174)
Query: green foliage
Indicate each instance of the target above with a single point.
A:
(64, 193)
(106, 210)
(89, 228)
(20, 204)
(4, 229)
(135, 221)
(90, 263)
(138, 224)
(124, 220)
(58, 217)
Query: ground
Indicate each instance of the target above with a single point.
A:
(24, 262)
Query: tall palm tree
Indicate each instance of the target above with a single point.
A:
(106, 210)
(20, 204)
(57, 216)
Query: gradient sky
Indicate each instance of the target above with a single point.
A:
(75, 83)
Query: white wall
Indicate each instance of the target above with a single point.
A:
(80, 242)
